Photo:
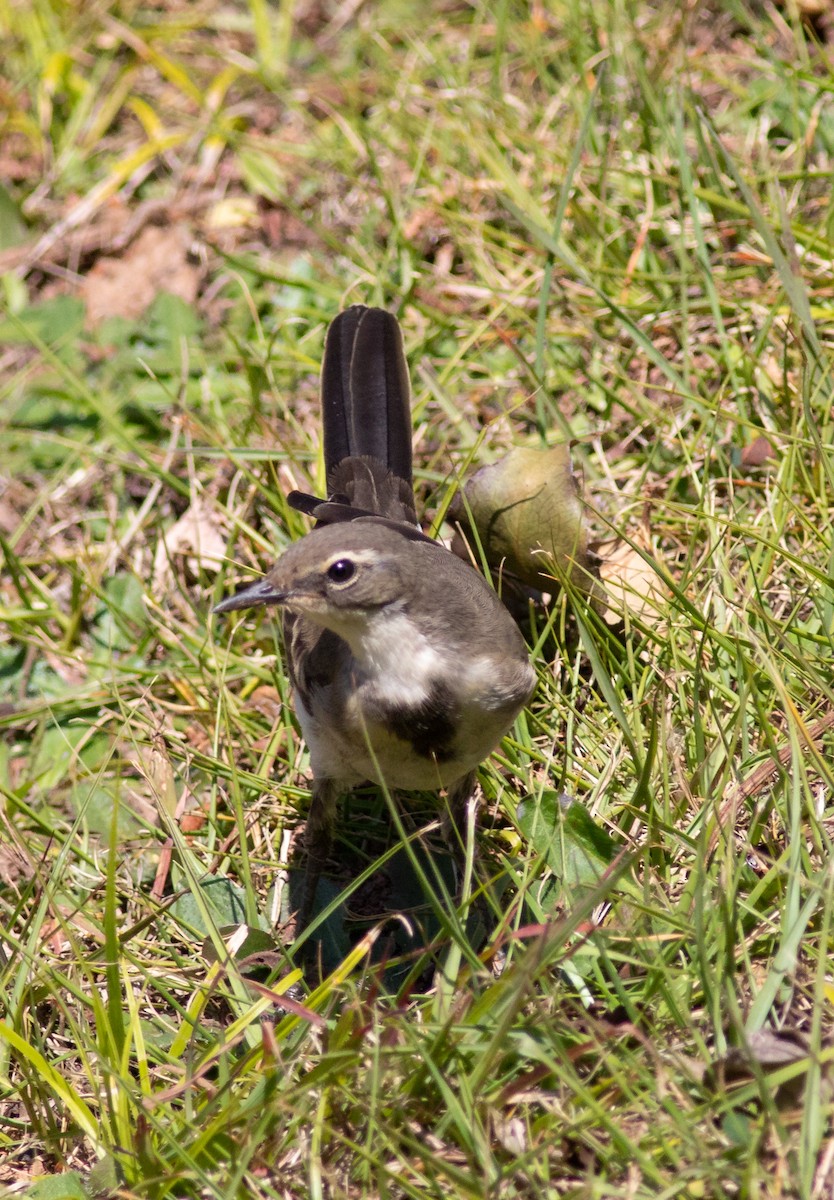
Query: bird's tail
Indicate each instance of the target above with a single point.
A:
(366, 412)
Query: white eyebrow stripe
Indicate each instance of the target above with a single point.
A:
(356, 556)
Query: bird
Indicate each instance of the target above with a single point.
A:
(406, 668)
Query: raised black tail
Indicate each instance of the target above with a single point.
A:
(366, 412)
(365, 394)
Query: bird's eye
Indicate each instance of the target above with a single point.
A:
(341, 570)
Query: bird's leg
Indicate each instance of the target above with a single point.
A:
(454, 817)
(455, 827)
(319, 841)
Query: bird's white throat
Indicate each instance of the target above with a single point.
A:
(400, 660)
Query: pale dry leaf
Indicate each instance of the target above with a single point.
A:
(511, 1134)
(196, 536)
(197, 738)
(155, 764)
(773, 368)
(776, 1048)
(233, 212)
(769, 1050)
(9, 518)
(125, 285)
(267, 701)
(631, 584)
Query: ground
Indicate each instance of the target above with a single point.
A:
(608, 226)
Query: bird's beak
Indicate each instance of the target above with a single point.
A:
(254, 596)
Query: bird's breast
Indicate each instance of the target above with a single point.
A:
(425, 734)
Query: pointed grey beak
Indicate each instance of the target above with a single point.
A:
(257, 594)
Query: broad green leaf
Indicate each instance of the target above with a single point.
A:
(224, 899)
(564, 834)
(51, 321)
(69, 1186)
(120, 622)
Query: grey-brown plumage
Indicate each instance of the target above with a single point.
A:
(406, 667)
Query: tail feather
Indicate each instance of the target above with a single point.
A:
(366, 412)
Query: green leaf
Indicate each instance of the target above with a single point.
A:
(120, 622)
(330, 935)
(12, 226)
(225, 901)
(97, 805)
(51, 322)
(564, 834)
(69, 1186)
(738, 1129)
(105, 1177)
(171, 318)
(56, 754)
(256, 942)
(262, 174)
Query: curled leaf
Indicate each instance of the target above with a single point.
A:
(528, 515)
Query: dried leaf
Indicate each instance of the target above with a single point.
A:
(632, 584)
(155, 764)
(758, 452)
(267, 701)
(510, 1133)
(769, 1050)
(198, 536)
(776, 1048)
(124, 286)
(232, 213)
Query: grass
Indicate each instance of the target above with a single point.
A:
(611, 223)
